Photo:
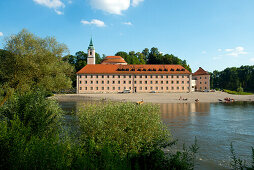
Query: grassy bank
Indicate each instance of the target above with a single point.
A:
(237, 93)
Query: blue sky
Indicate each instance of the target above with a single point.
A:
(213, 34)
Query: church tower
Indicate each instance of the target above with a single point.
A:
(91, 53)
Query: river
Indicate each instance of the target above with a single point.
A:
(215, 125)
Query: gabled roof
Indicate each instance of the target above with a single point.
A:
(200, 71)
(132, 69)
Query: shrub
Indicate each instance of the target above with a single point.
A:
(35, 111)
(126, 127)
(239, 89)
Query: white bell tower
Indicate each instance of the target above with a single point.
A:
(91, 53)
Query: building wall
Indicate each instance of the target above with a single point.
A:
(113, 83)
(202, 82)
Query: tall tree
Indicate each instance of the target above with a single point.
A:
(34, 62)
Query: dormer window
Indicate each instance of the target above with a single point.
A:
(91, 53)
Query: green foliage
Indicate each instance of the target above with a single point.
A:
(240, 89)
(233, 78)
(236, 92)
(152, 57)
(34, 111)
(29, 61)
(125, 126)
(237, 163)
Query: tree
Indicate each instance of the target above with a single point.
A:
(30, 61)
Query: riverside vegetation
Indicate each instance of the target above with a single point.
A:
(113, 136)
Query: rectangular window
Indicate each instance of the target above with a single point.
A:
(200, 77)
(182, 76)
(102, 82)
(118, 88)
(85, 76)
(172, 88)
(102, 88)
(146, 77)
(188, 76)
(135, 82)
(182, 88)
(177, 88)
(107, 88)
(200, 82)
(80, 76)
(129, 76)
(151, 76)
(177, 82)
(140, 88)
(80, 88)
(151, 88)
(97, 76)
(85, 82)
(91, 76)
(177, 76)
(91, 88)
(129, 82)
(107, 76)
(172, 76)
(161, 76)
(97, 88)
(113, 82)
(113, 76)
(140, 76)
(156, 76)
(167, 88)
(85, 88)
(102, 76)
(157, 88)
(80, 82)
(172, 82)
(119, 76)
(97, 82)
(161, 88)
(135, 76)
(166, 82)
(113, 88)
(118, 82)
(140, 82)
(124, 82)
(205, 77)
(145, 88)
(156, 82)
(124, 76)
(188, 82)
(161, 82)
(145, 82)
(107, 82)
(205, 82)
(91, 82)
(182, 82)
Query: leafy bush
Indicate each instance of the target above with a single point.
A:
(236, 93)
(239, 89)
(35, 111)
(128, 128)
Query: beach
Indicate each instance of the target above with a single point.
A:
(156, 97)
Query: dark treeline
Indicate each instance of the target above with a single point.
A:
(152, 56)
(234, 78)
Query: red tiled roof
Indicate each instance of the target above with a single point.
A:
(132, 69)
(200, 71)
(113, 59)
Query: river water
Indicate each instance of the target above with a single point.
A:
(215, 125)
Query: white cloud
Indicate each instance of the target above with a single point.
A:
(236, 51)
(203, 52)
(114, 6)
(127, 23)
(53, 4)
(219, 49)
(95, 22)
(1, 34)
(111, 6)
(69, 2)
(252, 60)
(136, 2)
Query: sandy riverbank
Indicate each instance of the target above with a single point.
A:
(156, 97)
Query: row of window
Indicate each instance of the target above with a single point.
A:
(201, 82)
(125, 76)
(135, 82)
(140, 88)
